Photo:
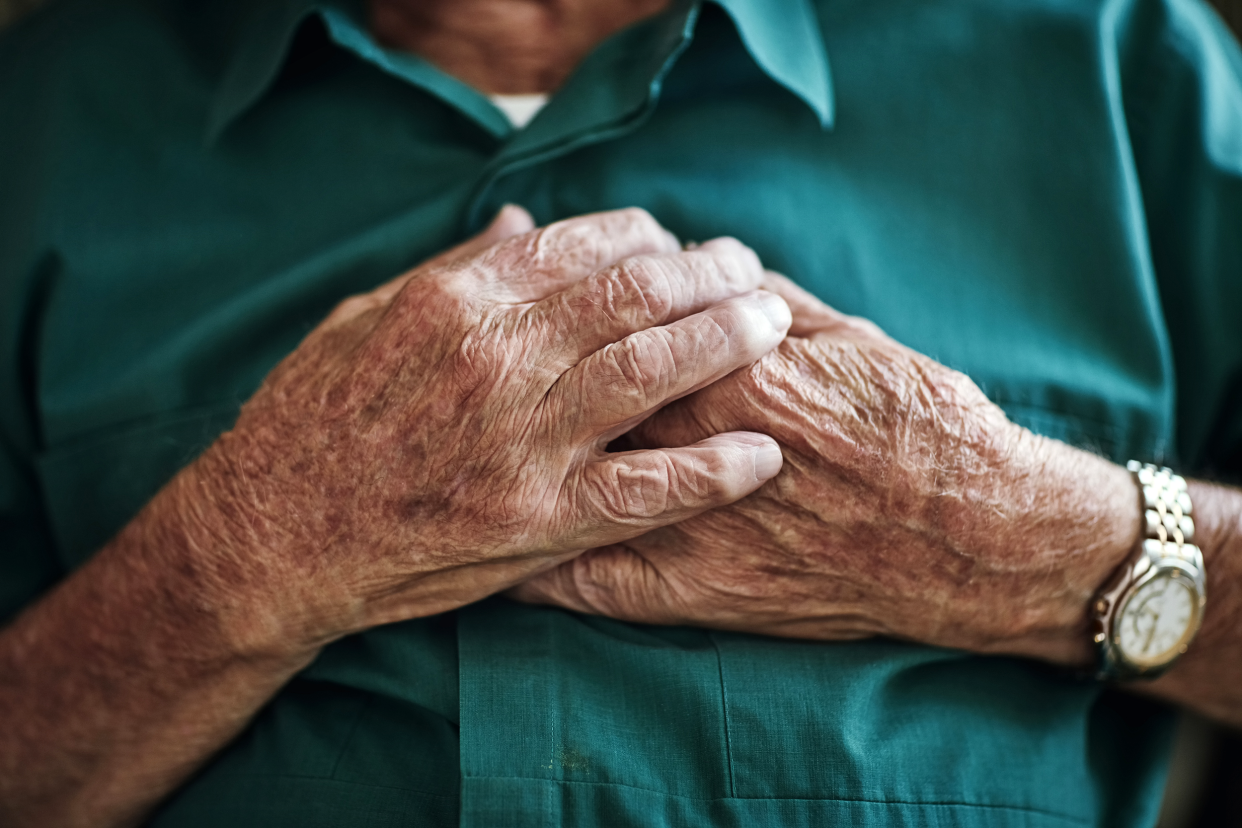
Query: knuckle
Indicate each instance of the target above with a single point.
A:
(642, 283)
(445, 292)
(736, 325)
(589, 579)
(461, 280)
(662, 483)
(353, 306)
(642, 366)
(573, 243)
(709, 348)
(600, 239)
(952, 388)
(627, 493)
(640, 222)
(713, 478)
(725, 338)
(613, 581)
(736, 262)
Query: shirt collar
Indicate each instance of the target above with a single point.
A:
(782, 36)
(785, 40)
(256, 56)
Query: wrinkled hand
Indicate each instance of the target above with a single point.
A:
(443, 437)
(908, 506)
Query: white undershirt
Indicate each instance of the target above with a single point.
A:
(520, 109)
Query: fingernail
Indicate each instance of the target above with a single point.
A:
(768, 460)
(776, 310)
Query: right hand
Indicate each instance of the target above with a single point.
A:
(443, 437)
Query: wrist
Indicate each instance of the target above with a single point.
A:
(1218, 526)
(1078, 520)
(208, 554)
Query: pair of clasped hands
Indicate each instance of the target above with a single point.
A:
(590, 415)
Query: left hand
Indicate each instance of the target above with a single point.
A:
(908, 506)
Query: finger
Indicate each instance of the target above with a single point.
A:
(512, 220)
(567, 585)
(811, 316)
(624, 495)
(540, 263)
(645, 291)
(621, 384)
(612, 580)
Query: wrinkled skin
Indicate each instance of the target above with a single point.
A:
(908, 506)
(443, 437)
(431, 442)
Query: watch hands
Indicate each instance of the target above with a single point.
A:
(1155, 622)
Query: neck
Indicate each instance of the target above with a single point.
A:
(505, 47)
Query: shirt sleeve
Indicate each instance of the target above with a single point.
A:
(1181, 71)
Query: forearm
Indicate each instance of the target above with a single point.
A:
(123, 680)
(1208, 678)
(430, 443)
(1074, 517)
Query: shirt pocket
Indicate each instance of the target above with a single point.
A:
(907, 734)
(576, 720)
(548, 696)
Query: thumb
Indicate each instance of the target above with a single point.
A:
(512, 220)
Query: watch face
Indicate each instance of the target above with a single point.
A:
(1157, 621)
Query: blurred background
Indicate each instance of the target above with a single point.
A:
(12, 9)
(1205, 787)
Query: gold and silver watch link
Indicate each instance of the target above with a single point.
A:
(1146, 615)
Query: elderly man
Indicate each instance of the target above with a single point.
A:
(281, 612)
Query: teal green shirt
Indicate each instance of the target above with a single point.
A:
(1045, 194)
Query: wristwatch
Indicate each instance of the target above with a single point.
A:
(1148, 612)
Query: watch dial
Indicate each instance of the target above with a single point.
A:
(1156, 621)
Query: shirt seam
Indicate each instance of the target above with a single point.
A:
(862, 800)
(724, 712)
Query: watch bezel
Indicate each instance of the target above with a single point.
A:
(1173, 569)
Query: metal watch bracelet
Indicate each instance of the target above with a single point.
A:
(1146, 615)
